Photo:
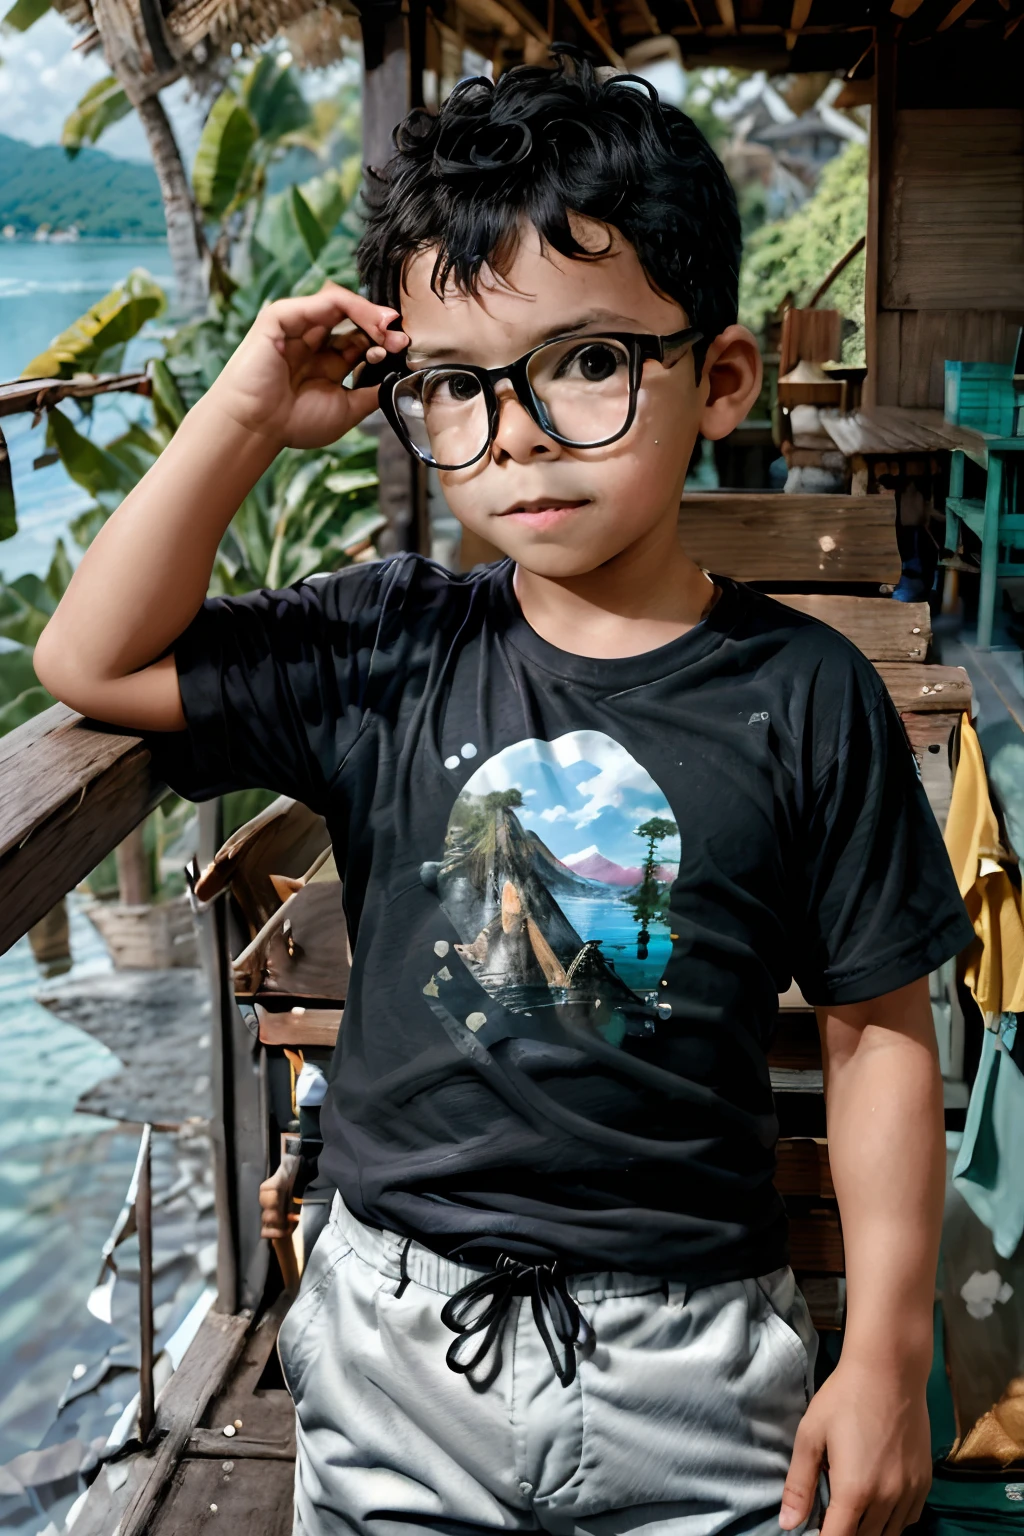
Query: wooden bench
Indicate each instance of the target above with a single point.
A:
(754, 536)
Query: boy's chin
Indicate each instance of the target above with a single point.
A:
(557, 562)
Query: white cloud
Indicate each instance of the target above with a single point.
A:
(528, 792)
(555, 813)
(42, 79)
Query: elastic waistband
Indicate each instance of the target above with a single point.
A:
(400, 1258)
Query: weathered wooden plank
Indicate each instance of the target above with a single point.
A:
(212, 1442)
(284, 839)
(960, 194)
(69, 792)
(302, 951)
(923, 689)
(300, 1026)
(932, 738)
(816, 1243)
(826, 1300)
(754, 537)
(128, 1509)
(882, 629)
(802, 1167)
(40, 394)
(254, 1497)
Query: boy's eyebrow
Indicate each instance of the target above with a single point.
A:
(562, 328)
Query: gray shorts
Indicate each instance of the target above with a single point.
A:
(679, 1422)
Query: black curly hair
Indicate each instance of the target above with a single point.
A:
(536, 146)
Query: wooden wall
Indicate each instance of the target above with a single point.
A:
(950, 246)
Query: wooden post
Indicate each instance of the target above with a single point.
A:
(133, 880)
(880, 334)
(212, 947)
(393, 59)
(144, 1224)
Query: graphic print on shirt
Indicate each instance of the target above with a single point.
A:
(558, 863)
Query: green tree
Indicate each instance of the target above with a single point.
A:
(792, 256)
(648, 900)
(504, 800)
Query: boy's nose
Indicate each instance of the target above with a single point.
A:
(518, 436)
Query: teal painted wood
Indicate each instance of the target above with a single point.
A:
(980, 395)
(998, 521)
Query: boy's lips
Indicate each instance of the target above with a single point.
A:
(543, 514)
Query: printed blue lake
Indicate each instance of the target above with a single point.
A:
(610, 919)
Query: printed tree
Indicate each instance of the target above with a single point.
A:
(648, 900)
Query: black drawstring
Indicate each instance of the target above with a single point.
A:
(403, 1268)
(553, 1308)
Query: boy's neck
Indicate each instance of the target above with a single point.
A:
(641, 600)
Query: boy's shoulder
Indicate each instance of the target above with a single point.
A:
(813, 654)
(408, 586)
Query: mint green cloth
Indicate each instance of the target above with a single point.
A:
(989, 1170)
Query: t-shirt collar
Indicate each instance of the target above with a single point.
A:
(618, 671)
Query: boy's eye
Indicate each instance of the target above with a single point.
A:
(593, 363)
(457, 387)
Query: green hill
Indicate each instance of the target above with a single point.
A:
(102, 195)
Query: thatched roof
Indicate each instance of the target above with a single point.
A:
(150, 48)
(791, 36)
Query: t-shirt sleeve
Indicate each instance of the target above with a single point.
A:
(272, 686)
(877, 903)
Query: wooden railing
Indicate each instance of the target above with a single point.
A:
(70, 790)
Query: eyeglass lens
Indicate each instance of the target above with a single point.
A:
(582, 385)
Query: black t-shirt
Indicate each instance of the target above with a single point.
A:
(574, 890)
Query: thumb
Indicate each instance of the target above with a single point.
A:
(802, 1480)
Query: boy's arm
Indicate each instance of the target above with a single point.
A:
(145, 575)
(886, 1143)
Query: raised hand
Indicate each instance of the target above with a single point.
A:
(284, 381)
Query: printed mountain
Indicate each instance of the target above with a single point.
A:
(495, 884)
(593, 865)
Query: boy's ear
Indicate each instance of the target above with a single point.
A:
(732, 378)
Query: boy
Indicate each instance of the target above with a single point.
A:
(593, 807)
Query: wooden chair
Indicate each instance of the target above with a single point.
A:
(997, 520)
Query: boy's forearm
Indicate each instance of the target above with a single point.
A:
(887, 1152)
(147, 571)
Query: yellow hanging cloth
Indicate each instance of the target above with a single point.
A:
(994, 968)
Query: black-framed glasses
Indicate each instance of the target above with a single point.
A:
(580, 390)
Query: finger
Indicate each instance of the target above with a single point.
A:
(878, 1514)
(902, 1515)
(361, 403)
(292, 318)
(802, 1479)
(328, 365)
(842, 1518)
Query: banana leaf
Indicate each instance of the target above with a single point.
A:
(110, 322)
(274, 97)
(103, 104)
(28, 603)
(94, 468)
(24, 14)
(168, 406)
(222, 158)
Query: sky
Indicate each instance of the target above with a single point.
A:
(42, 79)
(580, 792)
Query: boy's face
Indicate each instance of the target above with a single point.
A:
(562, 512)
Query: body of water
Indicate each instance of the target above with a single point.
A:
(63, 1178)
(610, 918)
(62, 1175)
(43, 288)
